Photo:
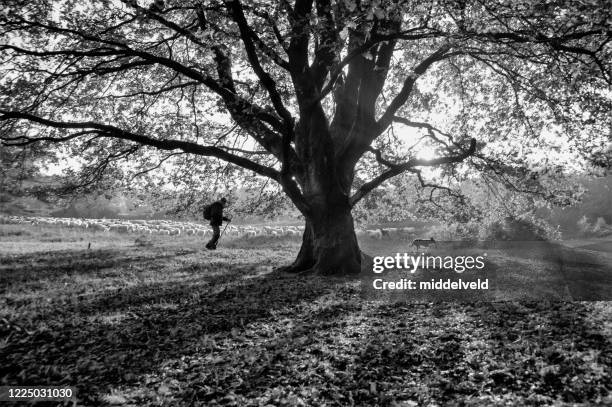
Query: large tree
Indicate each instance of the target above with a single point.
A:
(319, 87)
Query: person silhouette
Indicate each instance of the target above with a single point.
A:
(216, 220)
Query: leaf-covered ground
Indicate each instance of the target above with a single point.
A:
(167, 323)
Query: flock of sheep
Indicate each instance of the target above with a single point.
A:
(176, 228)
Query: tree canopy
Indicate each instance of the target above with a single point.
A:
(319, 96)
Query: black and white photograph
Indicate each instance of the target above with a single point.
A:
(393, 203)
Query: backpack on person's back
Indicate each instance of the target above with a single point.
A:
(208, 212)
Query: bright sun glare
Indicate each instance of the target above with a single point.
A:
(425, 152)
(411, 138)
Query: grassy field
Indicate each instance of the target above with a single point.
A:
(163, 322)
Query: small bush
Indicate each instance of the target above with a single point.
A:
(599, 229)
(583, 225)
(600, 225)
(517, 229)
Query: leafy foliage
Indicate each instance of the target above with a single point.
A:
(163, 87)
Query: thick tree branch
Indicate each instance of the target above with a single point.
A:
(326, 50)
(298, 52)
(272, 142)
(247, 35)
(396, 169)
(370, 129)
(162, 144)
(268, 50)
(401, 98)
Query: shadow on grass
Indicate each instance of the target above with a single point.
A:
(552, 348)
(113, 339)
(511, 270)
(21, 269)
(587, 274)
(121, 336)
(536, 350)
(449, 353)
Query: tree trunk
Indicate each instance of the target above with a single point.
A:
(329, 244)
